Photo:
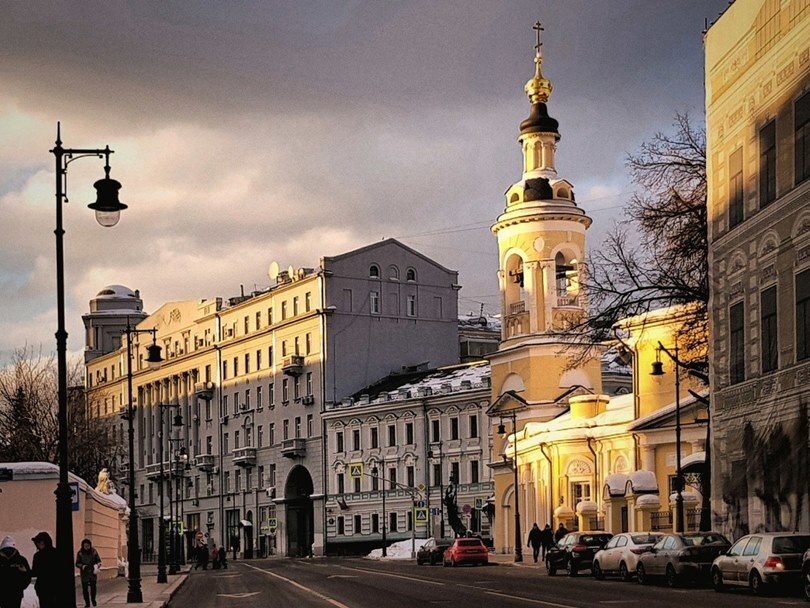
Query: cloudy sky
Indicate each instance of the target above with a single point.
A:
(252, 131)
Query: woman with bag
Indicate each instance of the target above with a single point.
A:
(88, 562)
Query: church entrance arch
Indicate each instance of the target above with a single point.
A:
(300, 513)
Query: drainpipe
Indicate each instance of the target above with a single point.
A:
(595, 475)
(426, 433)
(549, 489)
(218, 380)
(324, 438)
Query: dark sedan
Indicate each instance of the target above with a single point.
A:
(432, 552)
(575, 552)
(679, 557)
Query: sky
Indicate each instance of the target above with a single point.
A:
(258, 131)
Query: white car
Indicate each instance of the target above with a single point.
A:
(620, 555)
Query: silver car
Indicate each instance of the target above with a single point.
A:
(680, 557)
(620, 555)
(759, 561)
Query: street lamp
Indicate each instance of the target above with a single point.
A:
(374, 472)
(161, 569)
(174, 512)
(153, 359)
(658, 370)
(518, 535)
(431, 454)
(108, 209)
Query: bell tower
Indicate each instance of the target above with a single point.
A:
(541, 247)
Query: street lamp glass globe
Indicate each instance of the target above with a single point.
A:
(107, 219)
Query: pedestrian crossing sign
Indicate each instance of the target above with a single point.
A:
(479, 502)
(272, 523)
(420, 515)
(356, 470)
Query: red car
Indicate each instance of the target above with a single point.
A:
(466, 551)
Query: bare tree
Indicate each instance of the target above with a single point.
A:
(29, 425)
(657, 255)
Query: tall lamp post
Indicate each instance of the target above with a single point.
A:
(108, 210)
(153, 359)
(161, 568)
(432, 454)
(518, 534)
(374, 472)
(658, 370)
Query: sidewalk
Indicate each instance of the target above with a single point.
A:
(114, 591)
(508, 559)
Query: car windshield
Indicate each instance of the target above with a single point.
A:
(791, 544)
(645, 539)
(704, 539)
(594, 539)
(469, 543)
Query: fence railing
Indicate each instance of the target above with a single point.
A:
(660, 521)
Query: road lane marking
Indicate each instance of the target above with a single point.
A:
(341, 576)
(227, 575)
(325, 598)
(618, 601)
(531, 600)
(407, 578)
(239, 595)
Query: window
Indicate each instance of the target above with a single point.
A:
(735, 188)
(271, 395)
(375, 523)
(802, 139)
(341, 483)
(247, 363)
(752, 548)
(283, 348)
(393, 273)
(247, 324)
(260, 436)
(295, 306)
(392, 522)
(392, 477)
(768, 330)
(259, 403)
(284, 310)
(258, 320)
(374, 271)
(297, 427)
(209, 445)
(409, 520)
(454, 427)
(375, 437)
(437, 474)
(297, 345)
(410, 309)
(270, 316)
(580, 490)
(270, 356)
(375, 482)
(341, 525)
(272, 475)
(392, 435)
(285, 390)
(339, 441)
(803, 314)
(236, 440)
(238, 484)
(224, 370)
(435, 430)
(473, 471)
(308, 301)
(409, 433)
(271, 433)
(247, 399)
(767, 164)
(258, 360)
(310, 421)
(308, 344)
(235, 367)
(309, 383)
(356, 484)
(261, 477)
(374, 302)
(737, 346)
(473, 426)
(454, 476)
(224, 405)
(358, 520)
(297, 388)
(356, 439)
(410, 275)
(285, 430)
(410, 473)
(225, 444)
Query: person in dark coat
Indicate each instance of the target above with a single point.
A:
(45, 567)
(215, 557)
(223, 560)
(561, 531)
(202, 556)
(546, 539)
(87, 561)
(15, 574)
(535, 540)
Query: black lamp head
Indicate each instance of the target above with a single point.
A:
(501, 429)
(107, 206)
(657, 368)
(153, 357)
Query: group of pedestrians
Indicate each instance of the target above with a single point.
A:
(544, 539)
(217, 556)
(16, 574)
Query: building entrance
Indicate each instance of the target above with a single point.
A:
(300, 513)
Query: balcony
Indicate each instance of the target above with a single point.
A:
(204, 390)
(566, 301)
(153, 470)
(205, 462)
(294, 448)
(244, 457)
(517, 308)
(293, 365)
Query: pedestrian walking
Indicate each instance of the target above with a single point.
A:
(202, 556)
(561, 531)
(223, 559)
(15, 574)
(44, 568)
(215, 557)
(88, 562)
(534, 541)
(546, 539)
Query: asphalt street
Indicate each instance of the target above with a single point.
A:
(358, 583)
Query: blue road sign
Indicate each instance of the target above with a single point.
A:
(74, 495)
(420, 504)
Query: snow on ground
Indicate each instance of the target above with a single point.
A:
(400, 550)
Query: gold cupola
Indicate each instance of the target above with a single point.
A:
(539, 90)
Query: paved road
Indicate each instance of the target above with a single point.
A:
(356, 583)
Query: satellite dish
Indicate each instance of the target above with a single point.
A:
(273, 271)
(290, 271)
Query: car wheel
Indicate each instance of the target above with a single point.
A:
(597, 571)
(806, 583)
(572, 569)
(756, 584)
(550, 568)
(624, 573)
(641, 574)
(672, 576)
(717, 580)
(453, 562)
(445, 563)
(418, 561)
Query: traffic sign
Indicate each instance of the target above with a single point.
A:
(466, 508)
(356, 470)
(420, 515)
(420, 504)
(479, 502)
(74, 495)
(435, 511)
(272, 523)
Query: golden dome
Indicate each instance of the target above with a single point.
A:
(538, 88)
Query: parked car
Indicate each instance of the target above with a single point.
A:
(679, 557)
(466, 551)
(760, 561)
(432, 552)
(575, 552)
(806, 574)
(621, 553)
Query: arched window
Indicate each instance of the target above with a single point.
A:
(562, 193)
(393, 272)
(374, 271)
(410, 274)
(567, 276)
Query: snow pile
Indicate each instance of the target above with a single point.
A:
(400, 550)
